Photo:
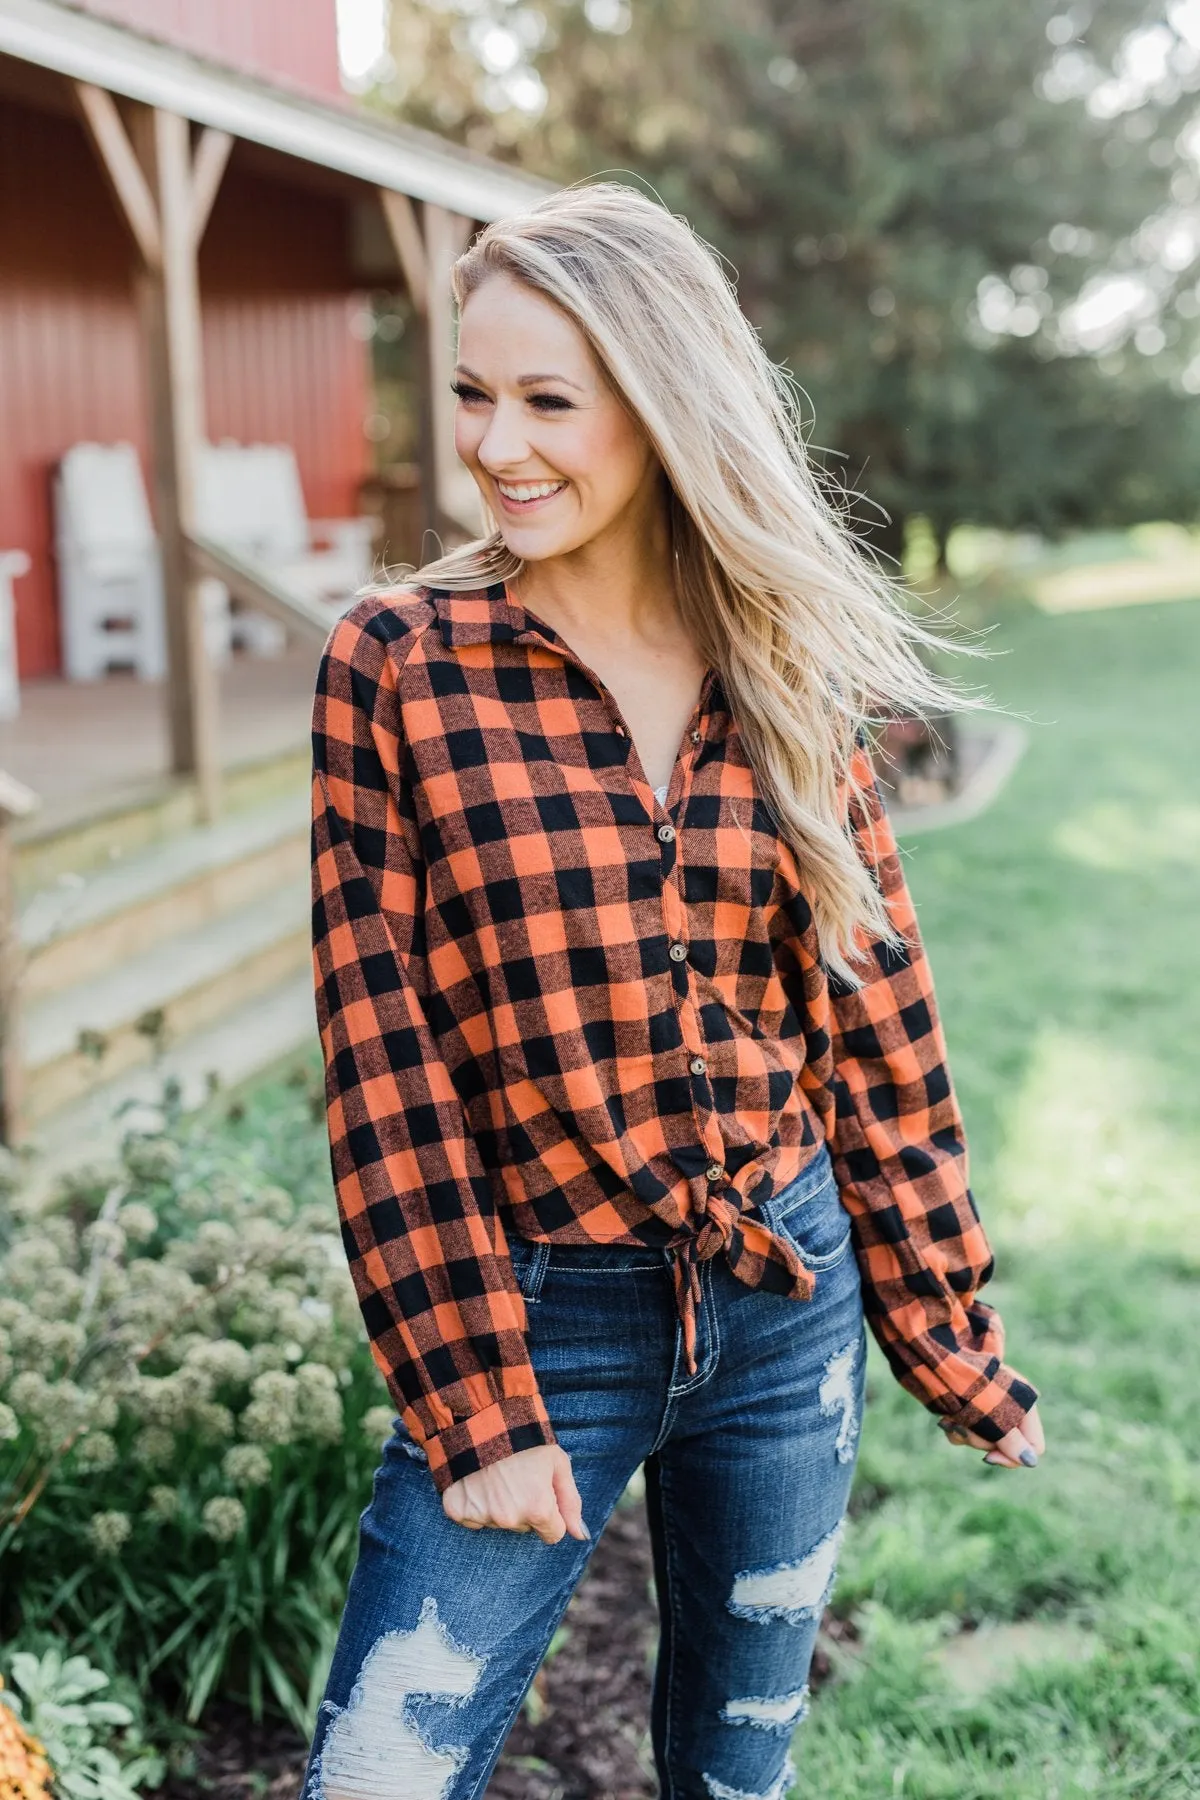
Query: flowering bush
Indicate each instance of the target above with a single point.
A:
(184, 1386)
(59, 1739)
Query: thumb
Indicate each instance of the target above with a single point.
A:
(570, 1502)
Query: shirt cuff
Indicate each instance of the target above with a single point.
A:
(963, 1378)
(1002, 1403)
(517, 1422)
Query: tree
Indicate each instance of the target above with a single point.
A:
(913, 197)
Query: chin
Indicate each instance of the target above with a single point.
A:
(536, 546)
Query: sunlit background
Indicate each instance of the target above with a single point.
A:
(971, 234)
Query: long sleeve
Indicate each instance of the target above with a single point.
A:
(426, 1249)
(900, 1156)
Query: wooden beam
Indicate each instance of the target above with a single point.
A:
(120, 164)
(170, 298)
(446, 234)
(208, 166)
(401, 217)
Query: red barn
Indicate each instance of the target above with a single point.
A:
(191, 210)
(278, 263)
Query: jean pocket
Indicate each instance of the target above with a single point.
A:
(528, 1264)
(816, 1225)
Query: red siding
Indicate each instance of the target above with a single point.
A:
(293, 42)
(281, 362)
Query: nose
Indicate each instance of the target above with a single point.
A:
(504, 445)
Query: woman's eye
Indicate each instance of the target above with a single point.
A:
(467, 394)
(551, 403)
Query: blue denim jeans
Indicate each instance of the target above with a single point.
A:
(748, 1469)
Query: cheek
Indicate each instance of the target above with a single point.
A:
(468, 434)
(613, 461)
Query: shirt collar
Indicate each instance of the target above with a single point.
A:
(487, 616)
(478, 616)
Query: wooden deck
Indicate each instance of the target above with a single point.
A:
(85, 747)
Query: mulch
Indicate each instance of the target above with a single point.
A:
(583, 1733)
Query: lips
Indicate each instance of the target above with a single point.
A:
(523, 497)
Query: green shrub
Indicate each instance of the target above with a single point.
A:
(189, 1416)
(93, 1746)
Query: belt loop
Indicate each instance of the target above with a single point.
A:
(531, 1287)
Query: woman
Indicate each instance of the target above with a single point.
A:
(636, 1088)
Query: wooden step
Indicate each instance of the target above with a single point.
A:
(267, 1030)
(86, 923)
(75, 838)
(83, 1036)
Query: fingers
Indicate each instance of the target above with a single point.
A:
(1034, 1432)
(570, 1502)
(1018, 1449)
(531, 1491)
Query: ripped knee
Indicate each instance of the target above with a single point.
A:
(372, 1751)
(795, 1592)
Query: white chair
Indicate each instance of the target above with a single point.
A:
(110, 570)
(249, 498)
(110, 581)
(13, 563)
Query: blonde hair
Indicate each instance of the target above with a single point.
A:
(810, 636)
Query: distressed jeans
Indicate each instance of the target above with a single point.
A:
(748, 1469)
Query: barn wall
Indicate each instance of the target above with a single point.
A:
(281, 361)
(292, 42)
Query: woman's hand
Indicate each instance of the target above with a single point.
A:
(531, 1491)
(1007, 1454)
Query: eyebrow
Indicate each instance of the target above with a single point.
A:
(524, 380)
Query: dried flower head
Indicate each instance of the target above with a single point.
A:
(108, 1532)
(246, 1465)
(223, 1518)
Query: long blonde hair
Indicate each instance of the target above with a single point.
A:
(810, 636)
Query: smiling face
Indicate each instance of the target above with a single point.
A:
(559, 460)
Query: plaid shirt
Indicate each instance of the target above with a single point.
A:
(550, 1004)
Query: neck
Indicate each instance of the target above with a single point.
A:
(619, 586)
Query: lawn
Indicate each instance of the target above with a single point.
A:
(1034, 1636)
(998, 1635)
(1063, 931)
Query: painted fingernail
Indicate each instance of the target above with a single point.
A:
(1029, 1457)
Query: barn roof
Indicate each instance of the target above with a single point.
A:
(83, 47)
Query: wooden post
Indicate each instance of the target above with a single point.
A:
(16, 802)
(426, 253)
(170, 306)
(446, 235)
(165, 197)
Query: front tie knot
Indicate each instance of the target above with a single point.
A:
(751, 1249)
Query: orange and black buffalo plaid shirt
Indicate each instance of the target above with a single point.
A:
(551, 1005)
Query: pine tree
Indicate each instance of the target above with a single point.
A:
(871, 169)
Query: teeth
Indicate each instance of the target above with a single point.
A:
(530, 490)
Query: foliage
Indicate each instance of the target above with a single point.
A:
(1061, 927)
(24, 1769)
(871, 171)
(55, 1700)
(189, 1404)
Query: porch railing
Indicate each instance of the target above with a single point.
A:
(16, 802)
(255, 587)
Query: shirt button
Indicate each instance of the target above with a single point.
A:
(666, 834)
(714, 1172)
(677, 952)
(697, 1065)
(695, 737)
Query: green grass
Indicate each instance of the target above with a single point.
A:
(1065, 937)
